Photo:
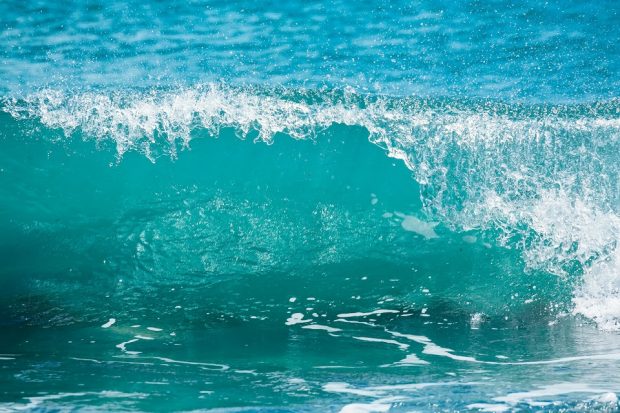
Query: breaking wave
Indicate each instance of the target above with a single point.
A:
(539, 179)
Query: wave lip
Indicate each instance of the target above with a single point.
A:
(138, 120)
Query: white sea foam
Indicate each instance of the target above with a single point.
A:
(375, 312)
(322, 327)
(379, 405)
(384, 394)
(35, 402)
(297, 318)
(365, 407)
(489, 407)
(123, 346)
(210, 366)
(550, 390)
(431, 348)
(543, 396)
(410, 360)
(598, 297)
(400, 345)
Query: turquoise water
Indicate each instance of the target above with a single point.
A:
(329, 207)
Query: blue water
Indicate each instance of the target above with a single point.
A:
(240, 206)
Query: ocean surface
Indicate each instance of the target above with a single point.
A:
(406, 206)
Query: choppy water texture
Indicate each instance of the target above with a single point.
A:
(409, 206)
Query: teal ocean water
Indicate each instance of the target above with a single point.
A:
(326, 207)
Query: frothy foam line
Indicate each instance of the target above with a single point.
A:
(558, 389)
(430, 348)
(36, 401)
(137, 120)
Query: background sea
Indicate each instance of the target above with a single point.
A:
(310, 206)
